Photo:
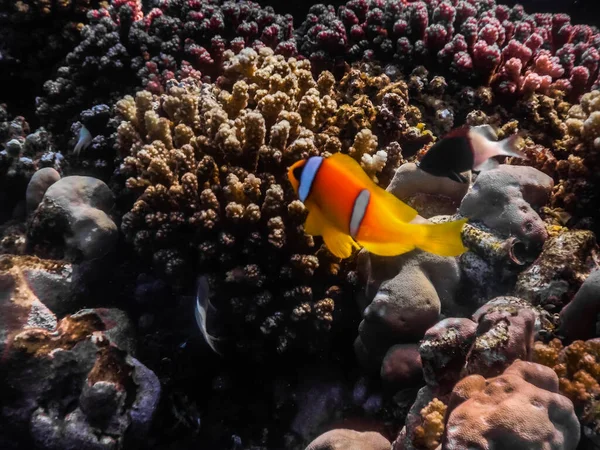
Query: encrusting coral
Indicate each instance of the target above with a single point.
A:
(210, 162)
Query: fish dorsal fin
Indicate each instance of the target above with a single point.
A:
(338, 243)
(396, 206)
(486, 131)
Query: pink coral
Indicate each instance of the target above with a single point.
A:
(520, 409)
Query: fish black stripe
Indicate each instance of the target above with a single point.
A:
(358, 211)
(311, 168)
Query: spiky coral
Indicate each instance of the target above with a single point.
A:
(210, 162)
(478, 42)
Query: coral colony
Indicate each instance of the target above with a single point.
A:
(144, 156)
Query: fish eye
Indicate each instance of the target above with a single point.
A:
(298, 172)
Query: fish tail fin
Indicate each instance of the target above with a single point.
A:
(442, 239)
(508, 146)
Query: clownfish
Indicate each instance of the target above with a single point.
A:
(349, 210)
(467, 148)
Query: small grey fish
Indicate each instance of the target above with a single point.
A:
(202, 309)
(85, 139)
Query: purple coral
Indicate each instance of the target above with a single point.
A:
(123, 49)
(471, 41)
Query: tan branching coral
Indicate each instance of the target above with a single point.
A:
(578, 368)
(209, 163)
(428, 435)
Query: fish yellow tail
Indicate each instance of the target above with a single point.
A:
(442, 239)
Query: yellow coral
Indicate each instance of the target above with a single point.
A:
(428, 435)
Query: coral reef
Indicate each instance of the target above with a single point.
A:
(123, 49)
(35, 35)
(565, 262)
(22, 152)
(210, 164)
(479, 43)
(578, 373)
(349, 439)
(78, 385)
(38, 185)
(579, 318)
(428, 194)
(413, 289)
(521, 408)
(504, 199)
(73, 220)
(179, 119)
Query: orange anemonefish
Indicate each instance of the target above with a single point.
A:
(347, 208)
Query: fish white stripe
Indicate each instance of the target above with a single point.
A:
(358, 211)
(308, 176)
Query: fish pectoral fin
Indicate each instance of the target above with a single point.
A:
(488, 164)
(338, 243)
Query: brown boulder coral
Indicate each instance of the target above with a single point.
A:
(209, 162)
(349, 440)
(520, 409)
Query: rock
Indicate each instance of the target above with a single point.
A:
(78, 387)
(428, 194)
(402, 367)
(579, 319)
(444, 350)
(407, 436)
(520, 410)
(562, 267)
(74, 215)
(343, 439)
(500, 199)
(38, 185)
(505, 332)
(19, 306)
(406, 305)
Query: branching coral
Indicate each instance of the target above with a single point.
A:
(21, 153)
(428, 435)
(123, 49)
(34, 36)
(480, 42)
(578, 370)
(210, 162)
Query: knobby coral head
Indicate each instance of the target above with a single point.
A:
(209, 163)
